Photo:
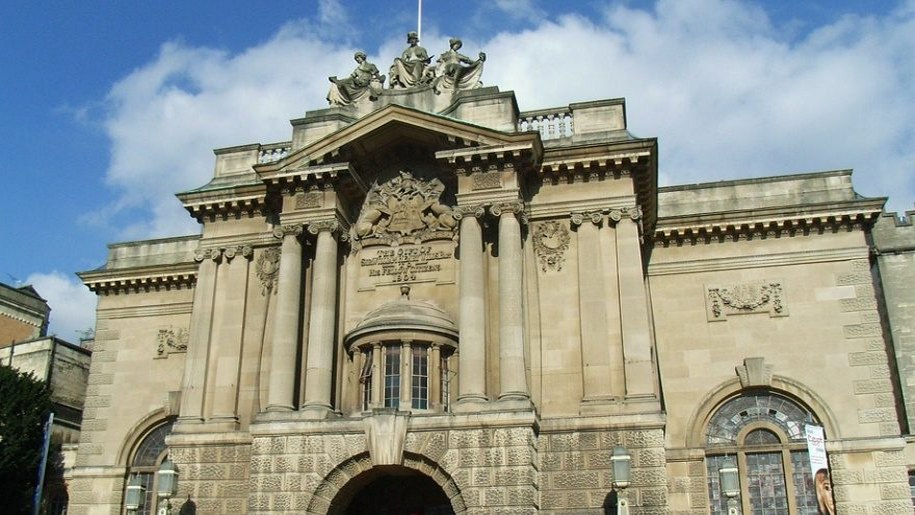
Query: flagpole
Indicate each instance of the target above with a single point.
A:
(419, 21)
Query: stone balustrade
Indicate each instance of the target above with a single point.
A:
(273, 152)
(556, 122)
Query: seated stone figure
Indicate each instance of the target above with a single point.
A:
(455, 71)
(364, 82)
(408, 69)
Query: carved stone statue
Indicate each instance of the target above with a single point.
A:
(404, 206)
(364, 82)
(408, 69)
(456, 71)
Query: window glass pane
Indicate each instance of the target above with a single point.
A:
(761, 437)
(366, 378)
(392, 376)
(754, 407)
(912, 485)
(804, 491)
(766, 490)
(420, 378)
(152, 446)
(718, 503)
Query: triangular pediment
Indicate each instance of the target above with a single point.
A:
(391, 129)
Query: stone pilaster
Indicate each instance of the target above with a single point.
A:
(286, 323)
(193, 384)
(593, 296)
(634, 307)
(472, 322)
(228, 340)
(321, 335)
(512, 375)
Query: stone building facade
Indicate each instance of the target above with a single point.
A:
(428, 300)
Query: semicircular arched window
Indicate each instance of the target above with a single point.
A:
(147, 456)
(763, 434)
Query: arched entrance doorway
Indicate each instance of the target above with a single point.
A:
(392, 491)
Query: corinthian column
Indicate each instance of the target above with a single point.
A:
(195, 369)
(512, 376)
(472, 352)
(286, 322)
(320, 360)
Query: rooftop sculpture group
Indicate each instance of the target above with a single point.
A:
(451, 72)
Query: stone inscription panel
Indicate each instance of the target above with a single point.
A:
(428, 262)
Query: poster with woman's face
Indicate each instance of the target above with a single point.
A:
(823, 486)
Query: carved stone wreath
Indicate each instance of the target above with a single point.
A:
(404, 209)
(765, 297)
(551, 241)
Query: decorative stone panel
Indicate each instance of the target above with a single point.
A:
(745, 298)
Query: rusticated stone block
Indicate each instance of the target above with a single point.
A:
(859, 359)
(550, 461)
(278, 445)
(889, 459)
(300, 501)
(513, 476)
(598, 459)
(281, 502)
(652, 476)
(654, 457)
(880, 371)
(467, 438)
(891, 507)
(847, 477)
(495, 457)
(866, 416)
(209, 454)
(610, 440)
(857, 304)
(641, 439)
(270, 483)
(889, 428)
(517, 456)
(853, 278)
(481, 476)
(865, 330)
(471, 458)
(574, 479)
(494, 497)
(653, 496)
(552, 499)
(258, 502)
(284, 464)
(574, 461)
(237, 471)
(894, 491)
(869, 386)
(696, 469)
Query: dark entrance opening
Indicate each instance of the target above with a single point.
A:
(396, 491)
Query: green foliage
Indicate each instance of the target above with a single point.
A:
(24, 406)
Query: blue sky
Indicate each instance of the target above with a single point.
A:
(110, 107)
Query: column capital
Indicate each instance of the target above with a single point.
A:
(244, 251)
(281, 231)
(201, 255)
(459, 212)
(595, 217)
(330, 226)
(512, 207)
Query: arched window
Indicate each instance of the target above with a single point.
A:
(763, 434)
(148, 455)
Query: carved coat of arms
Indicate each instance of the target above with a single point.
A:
(404, 208)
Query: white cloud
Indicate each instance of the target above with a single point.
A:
(726, 93)
(72, 304)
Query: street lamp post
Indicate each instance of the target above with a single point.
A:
(622, 464)
(167, 485)
(729, 478)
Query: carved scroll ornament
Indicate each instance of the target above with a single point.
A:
(405, 209)
(764, 297)
(171, 340)
(267, 269)
(551, 242)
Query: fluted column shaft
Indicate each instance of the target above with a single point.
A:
(286, 323)
(319, 363)
(472, 356)
(377, 375)
(195, 370)
(512, 376)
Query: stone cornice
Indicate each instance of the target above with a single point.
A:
(140, 279)
(766, 223)
(754, 261)
(492, 157)
(322, 176)
(225, 203)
